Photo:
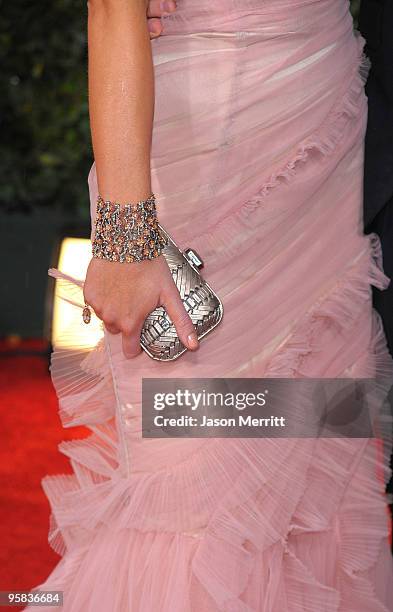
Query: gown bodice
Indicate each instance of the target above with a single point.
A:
(271, 16)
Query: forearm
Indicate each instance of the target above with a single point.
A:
(121, 97)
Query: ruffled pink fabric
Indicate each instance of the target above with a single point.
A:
(257, 163)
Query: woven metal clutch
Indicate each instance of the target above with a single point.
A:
(158, 337)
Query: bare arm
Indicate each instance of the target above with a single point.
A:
(121, 94)
(121, 104)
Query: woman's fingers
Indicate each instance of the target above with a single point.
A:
(155, 27)
(139, 288)
(129, 325)
(131, 337)
(181, 320)
(160, 8)
(155, 10)
(131, 329)
(108, 316)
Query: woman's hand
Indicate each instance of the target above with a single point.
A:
(155, 10)
(123, 294)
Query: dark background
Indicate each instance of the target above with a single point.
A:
(45, 150)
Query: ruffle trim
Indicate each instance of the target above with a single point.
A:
(248, 511)
(80, 372)
(323, 509)
(339, 122)
(336, 313)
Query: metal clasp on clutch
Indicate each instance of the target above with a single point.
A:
(193, 258)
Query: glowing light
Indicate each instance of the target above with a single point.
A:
(68, 329)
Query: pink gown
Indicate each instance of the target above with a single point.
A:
(257, 162)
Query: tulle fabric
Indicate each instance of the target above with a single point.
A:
(257, 163)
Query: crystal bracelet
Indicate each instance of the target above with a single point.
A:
(128, 233)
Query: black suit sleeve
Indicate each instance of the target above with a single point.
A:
(376, 25)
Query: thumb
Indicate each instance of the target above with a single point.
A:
(181, 319)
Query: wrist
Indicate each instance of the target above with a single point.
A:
(127, 233)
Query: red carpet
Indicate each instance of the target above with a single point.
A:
(31, 431)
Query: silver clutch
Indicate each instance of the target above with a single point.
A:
(158, 337)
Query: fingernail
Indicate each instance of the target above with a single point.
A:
(167, 7)
(192, 341)
(153, 33)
